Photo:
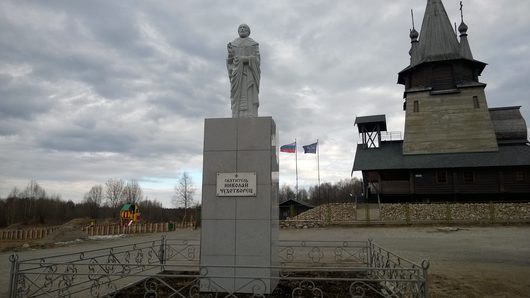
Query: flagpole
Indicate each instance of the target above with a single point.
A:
(296, 157)
(318, 163)
(318, 169)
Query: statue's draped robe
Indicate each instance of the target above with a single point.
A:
(244, 78)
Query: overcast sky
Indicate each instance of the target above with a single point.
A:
(91, 90)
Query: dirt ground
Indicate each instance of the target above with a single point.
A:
(69, 231)
(491, 261)
(478, 280)
(472, 261)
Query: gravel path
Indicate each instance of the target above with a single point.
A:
(468, 262)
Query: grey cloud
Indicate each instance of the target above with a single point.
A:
(84, 140)
(22, 99)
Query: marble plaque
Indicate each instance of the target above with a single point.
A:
(241, 184)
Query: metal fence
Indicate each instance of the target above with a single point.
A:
(170, 267)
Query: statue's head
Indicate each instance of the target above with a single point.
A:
(243, 30)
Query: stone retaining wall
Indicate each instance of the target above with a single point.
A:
(335, 212)
(341, 213)
(456, 212)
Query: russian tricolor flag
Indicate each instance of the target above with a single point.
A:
(289, 148)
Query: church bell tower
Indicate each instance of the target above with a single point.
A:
(445, 104)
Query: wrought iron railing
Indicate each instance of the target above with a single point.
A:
(170, 267)
(345, 253)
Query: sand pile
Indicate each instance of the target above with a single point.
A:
(69, 231)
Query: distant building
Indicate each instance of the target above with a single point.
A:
(454, 146)
(292, 208)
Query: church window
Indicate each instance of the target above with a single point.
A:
(416, 106)
(520, 176)
(441, 176)
(476, 104)
(469, 177)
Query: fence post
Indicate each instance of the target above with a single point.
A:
(162, 251)
(424, 266)
(370, 252)
(13, 278)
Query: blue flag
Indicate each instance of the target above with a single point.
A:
(311, 148)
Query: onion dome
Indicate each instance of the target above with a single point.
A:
(462, 28)
(414, 34)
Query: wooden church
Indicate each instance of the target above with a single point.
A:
(454, 146)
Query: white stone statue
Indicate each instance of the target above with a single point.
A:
(243, 64)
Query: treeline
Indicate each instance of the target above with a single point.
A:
(34, 206)
(343, 191)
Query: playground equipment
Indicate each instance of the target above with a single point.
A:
(129, 213)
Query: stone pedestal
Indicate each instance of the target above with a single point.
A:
(239, 234)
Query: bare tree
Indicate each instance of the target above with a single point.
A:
(341, 192)
(94, 195)
(132, 192)
(152, 210)
(114, 191)
(33, 191)
(303, 195)
(184, 191)
(93, 199)
(15, 193)
(286, 193)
